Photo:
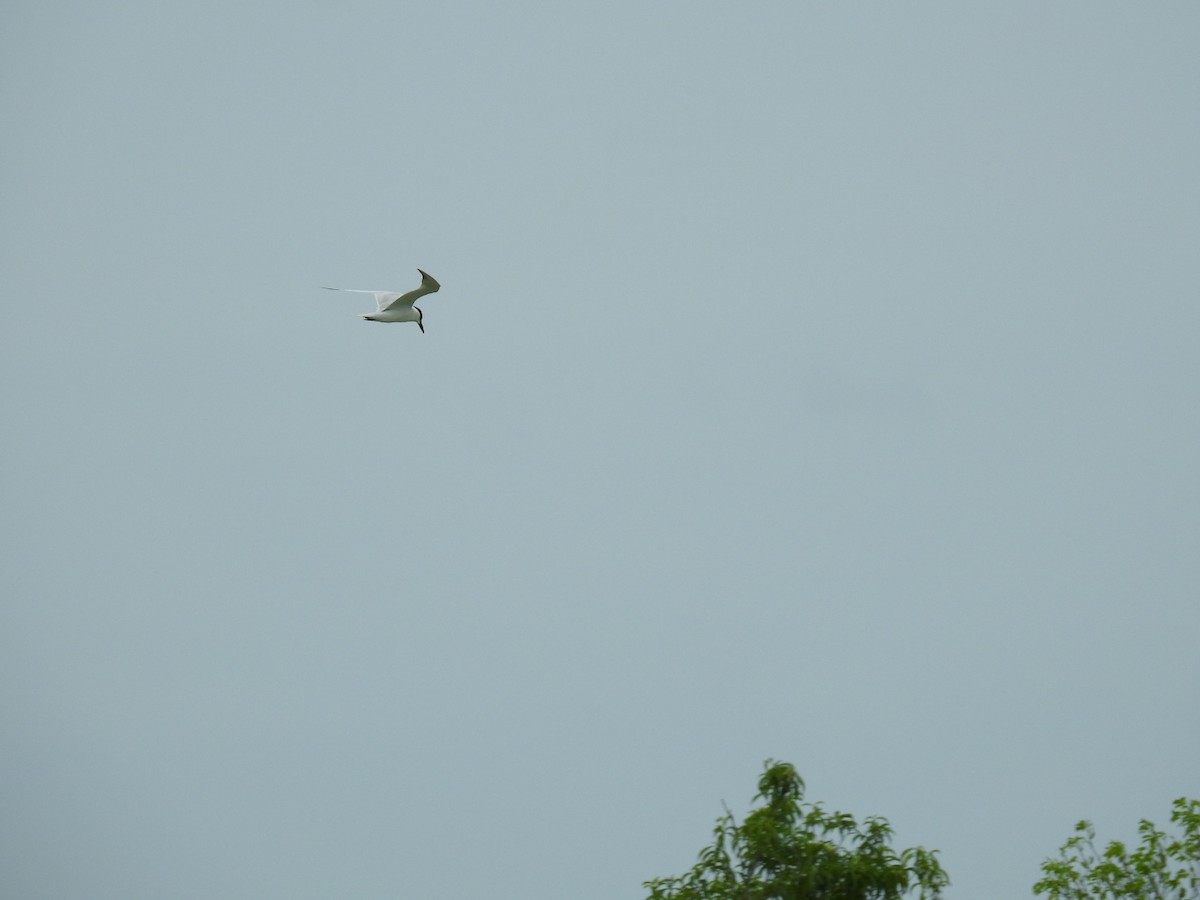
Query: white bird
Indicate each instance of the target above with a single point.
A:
(397, 307)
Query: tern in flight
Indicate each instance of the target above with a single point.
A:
(397, 307)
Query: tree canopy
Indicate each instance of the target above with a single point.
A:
(787, 849)
(1161, 867)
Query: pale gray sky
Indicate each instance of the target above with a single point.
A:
(813, 381)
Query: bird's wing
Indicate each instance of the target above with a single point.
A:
(429, 285)
(383, 299)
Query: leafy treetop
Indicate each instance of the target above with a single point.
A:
(1161, 868)
(787, 849)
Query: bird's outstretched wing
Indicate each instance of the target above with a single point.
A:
(383, 299)
(429, 285)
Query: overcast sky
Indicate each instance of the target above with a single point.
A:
(808, 381)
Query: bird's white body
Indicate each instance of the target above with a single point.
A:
(400, 314)
(390, 307)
